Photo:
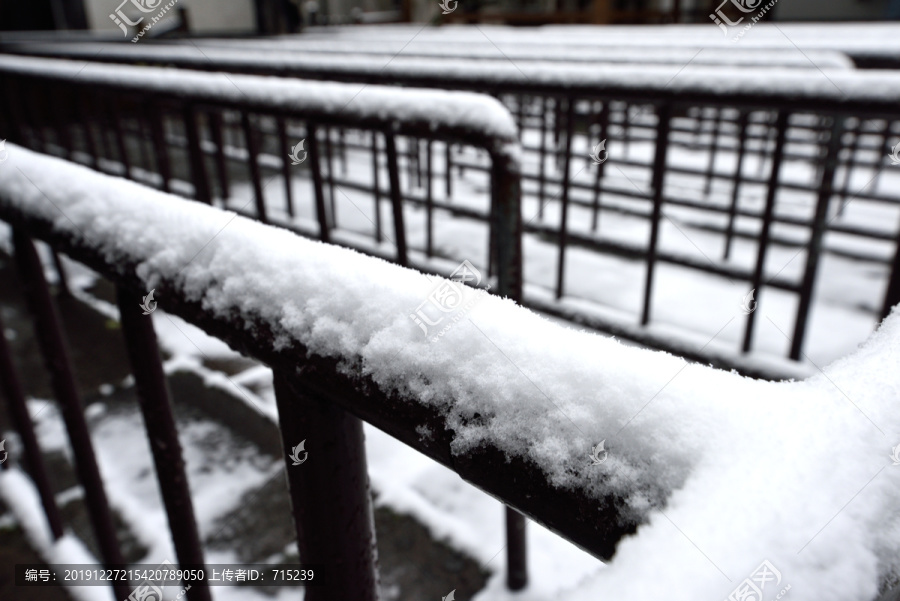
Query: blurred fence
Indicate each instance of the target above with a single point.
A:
(754, 175)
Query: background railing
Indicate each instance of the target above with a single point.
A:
(754, 186)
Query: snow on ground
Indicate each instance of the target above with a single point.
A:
(728, 471)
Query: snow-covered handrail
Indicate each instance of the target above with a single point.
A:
(453, 114)
(717, 472)
(376, 49)
(786, 87)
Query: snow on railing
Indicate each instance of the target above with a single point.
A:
(776, 84)
(291, 49)
(720, 474)
(475, 115)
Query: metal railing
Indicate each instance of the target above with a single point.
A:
(836, 127)
(93, 115)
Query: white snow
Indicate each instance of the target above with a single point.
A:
(304, 52)
(728, 471)
(472, 112)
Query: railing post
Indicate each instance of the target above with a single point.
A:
(659, 172)
(51, 340)
(506, 210)
(781, 126)
(253, 164)
(315, 166)
(330, 494)
(18, 412)
(153, 397)
(196, 158)
(396, 198)
(819, 225)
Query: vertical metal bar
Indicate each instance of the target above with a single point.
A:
(743, 121)
(603, 121)
(713, 150)
(664, 113)
(160, 147)
(62, 280)
(892, 294)
(516, 550)
(543, 158)
(429, 202)
(814, 248)
(506, 210)
(781, 124)
(196, 159)
(51, 340)
(563, 222)
(316, 168)
(119, 136)
(330, 494)
(153, 398)
(448, 158)
(253, 163)
(396, 198)
(520, 115)
(329, 162)
(18, 413)
(85, 117)
(342, 150)
(215, 127)
(883, 143)
(376, 187)
(281, 124)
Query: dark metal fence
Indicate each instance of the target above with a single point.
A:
(179, 138)
(711, 163)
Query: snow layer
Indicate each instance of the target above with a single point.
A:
(473, 112)
(728, 471)
(779, 82)
(474, 49)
